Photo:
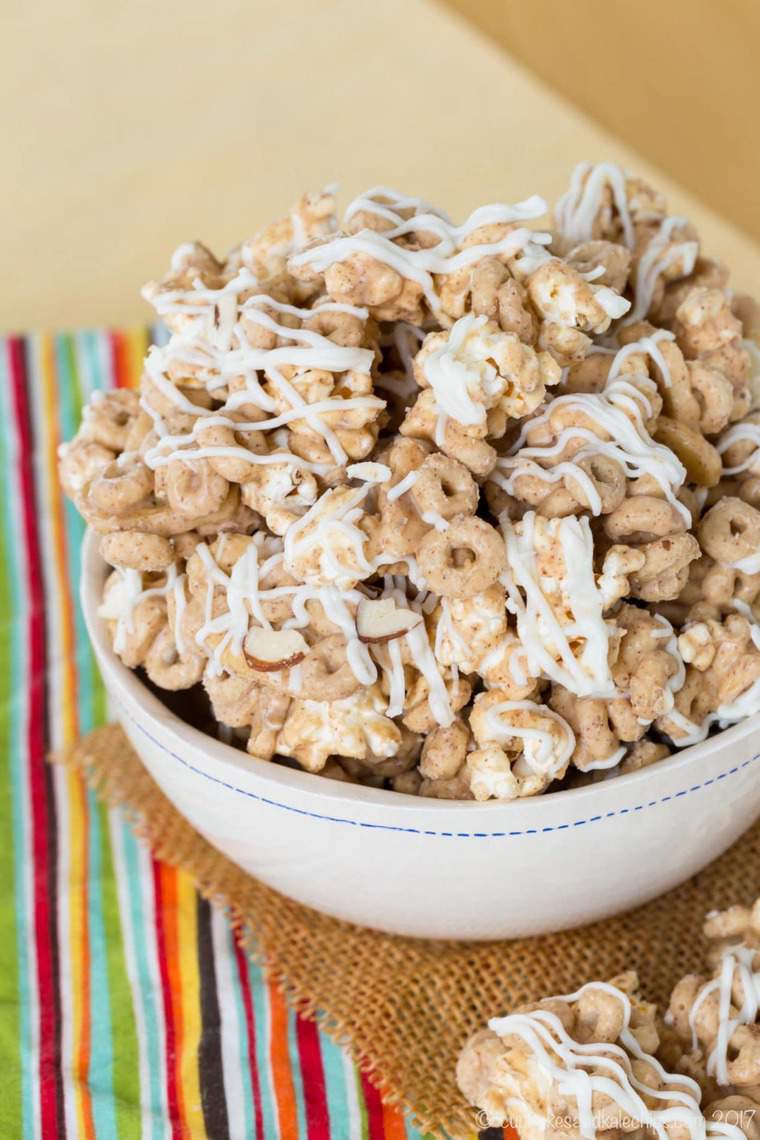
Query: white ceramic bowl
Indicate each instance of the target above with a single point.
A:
(436, 868)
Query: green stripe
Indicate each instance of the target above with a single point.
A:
(15, 1024)
(126, 1066)
(10, 995)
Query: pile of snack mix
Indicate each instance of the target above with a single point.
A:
(602, 1063)
(460, 510)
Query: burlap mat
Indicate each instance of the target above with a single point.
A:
(403, 1007)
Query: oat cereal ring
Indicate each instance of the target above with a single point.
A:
(80, 462)
(168, 668)
(606, 477)
(641, 754)
(730, 1112)
(117, 489)
(730, 532)
(614, 260)
(445, 488)
(466, 558)
(714, 394)
(418, 713)
(133, 628)
(108, 417)
(455, 788)
(131, 548)
(194, 488)
(326, 674)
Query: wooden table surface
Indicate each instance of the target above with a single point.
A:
(130, 128)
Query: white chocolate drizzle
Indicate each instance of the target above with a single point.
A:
(573, 651)
(578, 208)
(445, 256)
(736, 976)
(741, 433)
(655, 261)
(542, 753)
(618, 413)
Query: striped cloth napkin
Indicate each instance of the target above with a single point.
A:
(127, 1008)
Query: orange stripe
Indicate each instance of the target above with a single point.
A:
(394, 1127)
(282, 1076)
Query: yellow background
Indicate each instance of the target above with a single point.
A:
(677, 79)
(132, 127)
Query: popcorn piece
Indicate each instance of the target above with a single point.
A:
(354, 726)
(475, 369)
(522, 747)
(326, 545)
(725, 691)
(571, 308)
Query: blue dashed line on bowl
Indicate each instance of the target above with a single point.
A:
(438, 834)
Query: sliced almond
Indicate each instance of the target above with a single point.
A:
(270, 650)
(382, 620)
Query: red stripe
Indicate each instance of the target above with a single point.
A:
(170, 1035)
(374, 1106)
(245, 988)
(119, 361)
(51, 1108)
(313, 1078)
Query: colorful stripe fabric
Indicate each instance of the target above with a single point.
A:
(128, 1008)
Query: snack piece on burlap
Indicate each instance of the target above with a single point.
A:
(714, 1014)
(405, 1007)
(583, 1065)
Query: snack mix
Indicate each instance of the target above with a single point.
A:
(467, 511)
(601, 1063)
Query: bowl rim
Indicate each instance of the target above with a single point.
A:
(312, 784)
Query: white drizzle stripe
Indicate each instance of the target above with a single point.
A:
(578, 208)
(741, 433)
(540, 753)
(649, 345)
(125, 595)
(736, 976)
(444, 257)
(618, 413)
(581, 667)
(654, 263)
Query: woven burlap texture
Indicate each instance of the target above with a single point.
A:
(403, 1007)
